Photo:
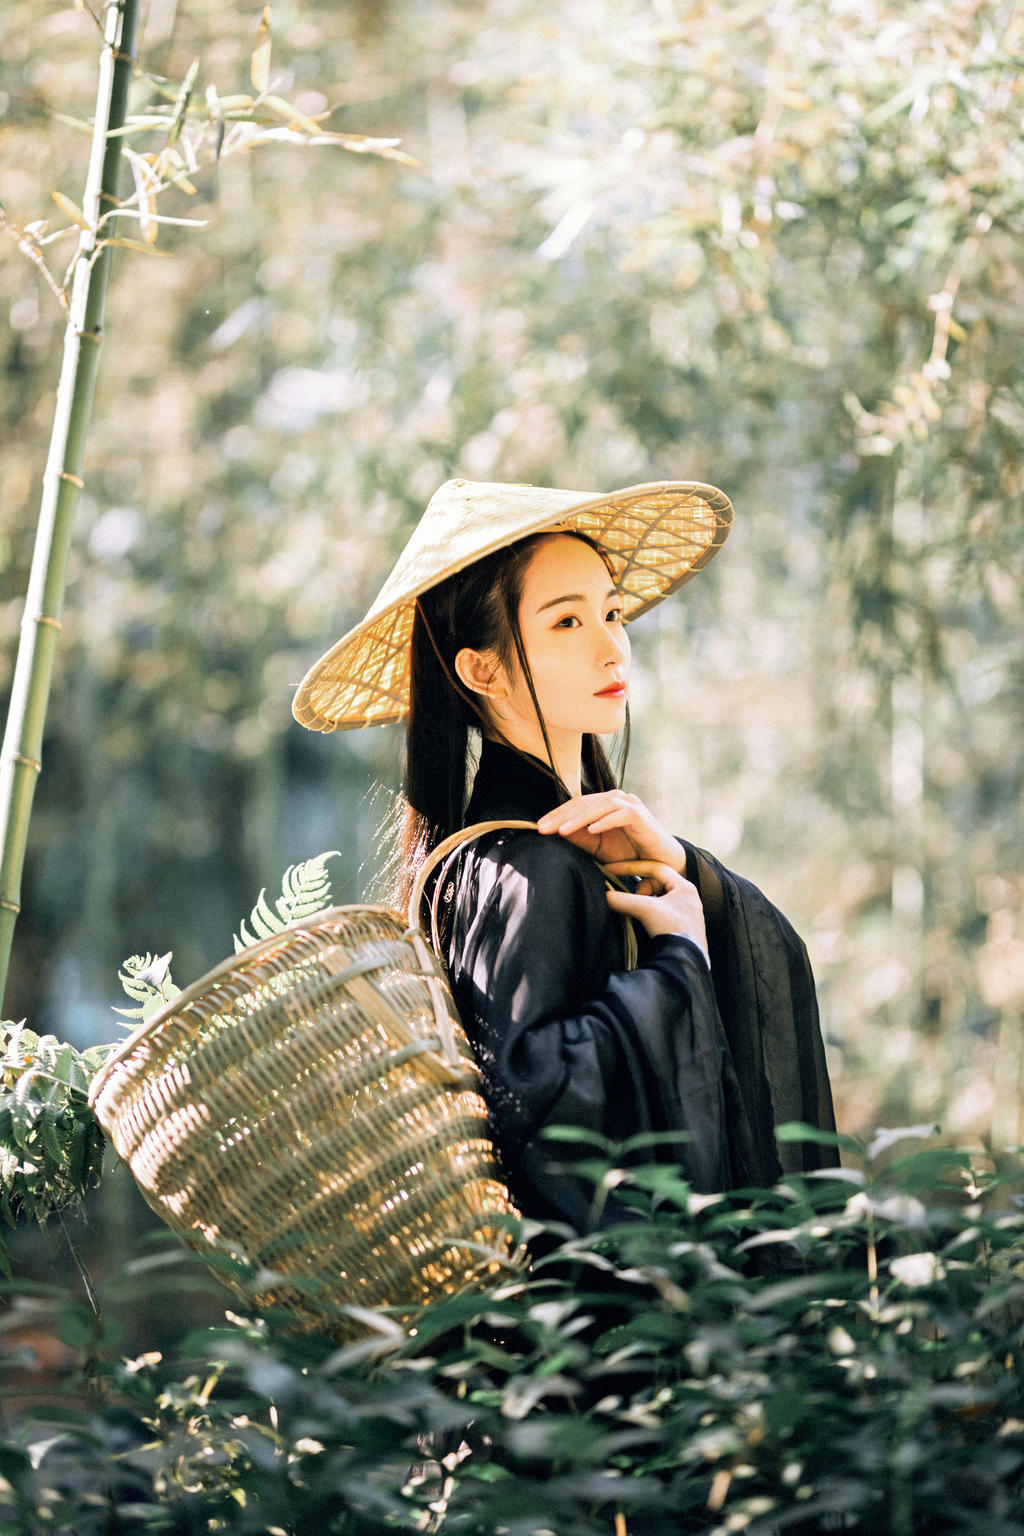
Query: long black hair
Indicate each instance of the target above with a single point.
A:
(478, 608)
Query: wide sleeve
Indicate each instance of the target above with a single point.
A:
(565, 1035)
(768, 1006)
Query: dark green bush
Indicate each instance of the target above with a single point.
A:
(51, 1146)
(843, 1352)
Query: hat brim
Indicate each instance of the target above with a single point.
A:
(658, 535)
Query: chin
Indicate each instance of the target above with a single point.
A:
(610, 719)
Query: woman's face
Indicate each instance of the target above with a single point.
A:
(577, 649)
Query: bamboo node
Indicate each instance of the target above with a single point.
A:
(10, 906)
(44, 618)
(30, 762)
(96, 336)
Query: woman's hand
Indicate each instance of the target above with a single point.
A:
(613, 826)
(663, 902)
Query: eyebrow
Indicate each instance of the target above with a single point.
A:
(574, 597)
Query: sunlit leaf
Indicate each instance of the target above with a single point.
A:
(885, 1138)
(71, 210)
(360, 144)
(136, 245)
(237, 103)
(72, 122)
(259, 67)
(146, 185)
(291, 114)
(216, 112)
(183, 99)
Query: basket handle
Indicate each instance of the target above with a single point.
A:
(450, 845)
(447, 849)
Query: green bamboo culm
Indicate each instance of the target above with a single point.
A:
(21, 755)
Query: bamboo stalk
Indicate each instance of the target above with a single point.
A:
(21, 754)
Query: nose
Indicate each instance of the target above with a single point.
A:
(615, 650)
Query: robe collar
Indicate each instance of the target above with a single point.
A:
(511, 786)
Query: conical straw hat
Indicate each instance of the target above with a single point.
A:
(657, 535)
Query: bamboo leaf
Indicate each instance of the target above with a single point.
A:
(259, 67)
(160, 218)
(292, 114)
(146, 187)
(216, 112)
(145, 124)
(360, 144)
(71, 210)
(179, 168)
(188, 85)
(72, 122)
(137, 245)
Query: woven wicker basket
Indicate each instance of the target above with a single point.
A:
(307, 1117)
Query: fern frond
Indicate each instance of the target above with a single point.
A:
(147, 979)
(265, 922)
(305, 890)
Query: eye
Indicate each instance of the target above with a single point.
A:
(568, 621)
(614, 616)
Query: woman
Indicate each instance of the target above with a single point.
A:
(502, 628)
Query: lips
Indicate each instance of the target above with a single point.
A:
(615, 691)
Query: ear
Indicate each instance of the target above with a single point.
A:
(480, 672)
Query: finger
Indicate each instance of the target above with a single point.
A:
(664, 873)
(607, 821)
(575, 813)
(633, 903)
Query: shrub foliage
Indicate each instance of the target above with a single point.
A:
(843, 1352)
(51, 1146)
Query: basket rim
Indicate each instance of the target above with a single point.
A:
(196, 989)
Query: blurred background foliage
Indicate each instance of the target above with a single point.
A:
(772, 247)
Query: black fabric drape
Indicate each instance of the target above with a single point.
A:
(565, 1035)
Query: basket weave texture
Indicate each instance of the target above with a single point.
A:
(307, 1117)
(658, 537)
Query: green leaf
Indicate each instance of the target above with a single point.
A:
(305, 890)
(796, 1130)
(77, 1156)
(885, 1138)
(25, 1111)
(53, 1151)
(147, 978)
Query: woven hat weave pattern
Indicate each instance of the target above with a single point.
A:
(658, 537)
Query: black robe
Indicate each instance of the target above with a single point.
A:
(566, 1035)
